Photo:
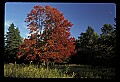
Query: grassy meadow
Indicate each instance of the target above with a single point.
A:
(58, 71)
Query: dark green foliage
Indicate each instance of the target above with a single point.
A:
(96, 49)
(107, 45)
(12, 41)
(85, 46)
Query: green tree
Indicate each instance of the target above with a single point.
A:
(12, 41)
(88, 38)
(107, 30)
(106, 45)
(85, 46)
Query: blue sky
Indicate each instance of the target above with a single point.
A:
(81, 15)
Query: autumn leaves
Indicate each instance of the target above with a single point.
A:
(55, 43)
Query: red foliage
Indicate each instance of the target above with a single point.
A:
(57, 43)
(33, 11)
(47, 7)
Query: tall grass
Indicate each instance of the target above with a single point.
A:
(58, 71)
(88, 71)
(32, 71)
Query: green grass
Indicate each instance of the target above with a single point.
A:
(58, 71)
(32, 71)
(88, 71)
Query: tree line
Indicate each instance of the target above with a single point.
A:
(96, 49)
(55, 43)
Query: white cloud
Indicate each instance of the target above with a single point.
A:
(7, 23)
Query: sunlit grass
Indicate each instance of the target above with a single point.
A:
(32, 71)
(58, 71)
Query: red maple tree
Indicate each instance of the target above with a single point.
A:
(50, 38)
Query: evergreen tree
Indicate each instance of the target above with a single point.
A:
(12, 41)
(85, 46)
(106, 45)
